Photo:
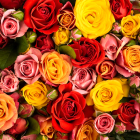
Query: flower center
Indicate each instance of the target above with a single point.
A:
(128, 25)
(90, 19)
(44, 11)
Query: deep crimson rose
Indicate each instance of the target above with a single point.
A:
(44, 43)
(88, 52)
(11, 4)
(41, 15)
(67, 110)
(120, 8)
(126, 114)
(3, 42)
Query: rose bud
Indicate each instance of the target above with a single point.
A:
(44, 43)
(137, 97)
(52, 94)
(66, 16)
(3, 42)
(31, 36)
(61, 36)
(19, 127)
(83, 79)
(76, 34)
(7, 137)
(106, 69)
(103, 137)
(61, 136)
(116, 28)
(18, 15)
(134, 81)
(8, 81)
(104, 123)
(120, 128)
(25, 110)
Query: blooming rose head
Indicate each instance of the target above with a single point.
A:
(3, 42)
(135, 80)
(130, 25)
(106, 69)
(19, 127)
(104, 123)
(55, 68)
(8, 112)
(35, 94)
(11, 27)
(85, 131)
(44, 43)
(67, 110)
(61, 36)
(46, 127)
(88, 52)
(41, 15)
(90, 17)
(120, 128)
(107, 94)
(27, 66)
(126, 114)
(83, 79)
(66, 16)
(8, 81)
(120, 8)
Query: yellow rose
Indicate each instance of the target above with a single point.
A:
(61, 36)
(107, 94)
(35, 94)
(132, 57)
(130, 25)
(93, 17)
(55, 67)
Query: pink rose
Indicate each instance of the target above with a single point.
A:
(106, 69)
(112, 45)
(27, 66)
(103, 138)
(135, 81)
(7, 137)
(8, 81)
(11, 27)
(83, 79)
(104, 123)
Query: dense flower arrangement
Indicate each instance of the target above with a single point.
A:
(70, 70)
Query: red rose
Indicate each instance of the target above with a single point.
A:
(41, 15)
(126, 114)
(88, 52)
(67, 110)
(120, 8)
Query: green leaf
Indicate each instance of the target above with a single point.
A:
(8, 55)
(131, 43)
(33, 127)
(67, 50)
(118, 137)
(126, 99)
(40, 137)
(133, 135)
(22, 44)
(133, 86)
(71, 1)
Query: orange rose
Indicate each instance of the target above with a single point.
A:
(132, 58)
(8, 112)
(55, 68)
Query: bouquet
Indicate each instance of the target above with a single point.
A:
(69, 70)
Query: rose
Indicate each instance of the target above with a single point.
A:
(75, 34)
(90, 17)
(44, 43)
(27, 66)
(130, 25)
(106, 69)
(85, 130)
(120, 128)
(120, 8)
(88, 52)
(48, 11)
(104, 123)
(7, 137)
(61, 136)
(103, 137)
(67, 110)
(126, 114)
(11, 4)
(35, 94)
(8, 112)
(3, 42)
(11, 27)
(135, 80)
(116, 27)
(19, 127)
(8, 81)
(15, 96)
(55, 68)
(106, 95)
(112, 45)
(83, 79)
(66, 17)
(46, 127)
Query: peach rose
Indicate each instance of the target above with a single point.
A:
(55, 68)
(8, 112)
